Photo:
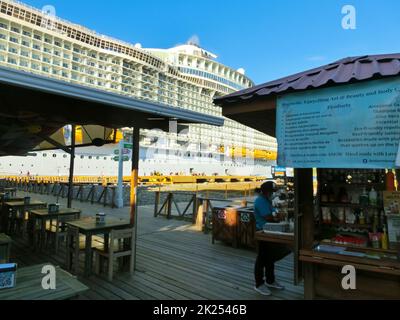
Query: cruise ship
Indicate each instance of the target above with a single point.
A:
(185, 76)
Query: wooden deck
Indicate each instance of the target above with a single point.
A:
(174, 262)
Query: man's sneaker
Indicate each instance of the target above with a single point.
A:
(275, 285)
(263, 290)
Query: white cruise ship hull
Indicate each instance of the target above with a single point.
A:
(99, 162)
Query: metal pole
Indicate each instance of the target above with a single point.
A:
(71, 167)
(120, 199)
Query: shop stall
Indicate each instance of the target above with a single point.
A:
(356, 224)
(339, 127)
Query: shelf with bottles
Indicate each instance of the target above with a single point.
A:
(356, 177)
(369, 233)
(351, 205)
(351, 226)
(363, 196)
(356, 238)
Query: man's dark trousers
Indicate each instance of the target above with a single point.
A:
(268, 254)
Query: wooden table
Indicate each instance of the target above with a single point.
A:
(89, 228)
(14, 207)
(5, 248)
(11, 199)
(29, 286)
(39, 217)
(12, 191)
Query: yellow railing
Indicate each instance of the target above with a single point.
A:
(248, 153)
(145, 180)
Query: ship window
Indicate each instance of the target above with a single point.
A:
(82, 157)
(54, 156)
(105, 158)
(64, 156)
(44, 155)
(90, 157)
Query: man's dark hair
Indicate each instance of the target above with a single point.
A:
(268, 187)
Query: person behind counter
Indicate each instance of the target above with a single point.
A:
(268, 253)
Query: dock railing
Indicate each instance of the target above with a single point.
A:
(196, 209)
(93, 193)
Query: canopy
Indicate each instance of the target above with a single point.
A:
(35, 108)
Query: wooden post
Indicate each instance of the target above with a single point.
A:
(169, 206)
(195, 206)
(134, 185)
(156, 204)
(134, 173)
(304, 224)
(71, 167)
(205, 218)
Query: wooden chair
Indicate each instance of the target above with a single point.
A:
(18, 220)
(5, 248)
(76, 246)
(120, 247)
(22, 221)
(56, 230)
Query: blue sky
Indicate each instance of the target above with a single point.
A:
(268, 38)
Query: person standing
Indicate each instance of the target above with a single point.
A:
(268, 253)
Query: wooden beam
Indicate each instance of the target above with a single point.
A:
(250, 106)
